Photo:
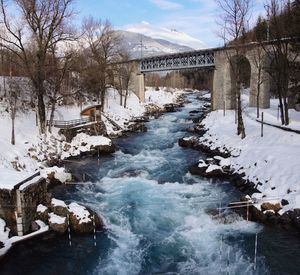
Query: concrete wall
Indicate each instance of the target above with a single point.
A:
(137, 81)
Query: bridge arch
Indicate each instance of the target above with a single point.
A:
(224, 92)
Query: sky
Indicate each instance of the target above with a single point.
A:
(197, 18)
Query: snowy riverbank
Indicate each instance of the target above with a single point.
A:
(270, 162)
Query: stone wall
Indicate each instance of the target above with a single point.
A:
(8, 208)
(31, 197)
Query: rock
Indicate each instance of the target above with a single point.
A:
(42, 213)
(189, 142)
(256, 215)
(196, 170)
(57, 223)
(1, 245)
(169, 107)
(104, 149)
(59, 208)
(273, 219)
(214, 171)
(81, 219)
(212, 212)
(34, 226)
(194, 112)
(284, 202)
(269, 206)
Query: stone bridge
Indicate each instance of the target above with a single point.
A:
(223, 84)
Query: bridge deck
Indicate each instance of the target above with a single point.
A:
(187, 60)
(66, 124)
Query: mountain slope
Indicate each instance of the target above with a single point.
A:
(139, 45)
(172, 36)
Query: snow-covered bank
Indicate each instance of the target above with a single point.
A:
(270, 162)
(17, 162)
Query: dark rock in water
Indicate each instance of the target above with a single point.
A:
(169, 107)
(256, 215)
(1, 245)
(272, 219)
(194, 112)
(196, 170)
(188, 142)
(284, 202)
(198, 118)
(137, 128)
(105, 149)
(85, 225)
(58, 227)
(212, 211)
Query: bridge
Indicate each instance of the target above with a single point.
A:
(219, 59)
(187, 60)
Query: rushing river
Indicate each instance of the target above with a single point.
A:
(156, 217)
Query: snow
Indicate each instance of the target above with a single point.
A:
(56, 202)
(213, 167)
(28, 183)
(173, 36)
(271, 162)
(271, 114)
(59, 173)
(41, 208)
(8, 242)
(4, 237)
(85, 143)
(202, 164)
(161, 97)
(81, 213)
(10, 177)
(55, 219)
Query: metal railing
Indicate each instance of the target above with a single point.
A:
(65, 124)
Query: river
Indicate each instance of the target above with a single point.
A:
(156, 217)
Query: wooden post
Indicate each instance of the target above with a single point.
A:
(224, 108)
(262, 124)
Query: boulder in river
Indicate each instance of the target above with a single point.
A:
(83, 220)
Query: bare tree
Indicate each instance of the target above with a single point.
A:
(281, 34)
(39, 26)
(124, 70)
(58, 70)
(103, 50)
(234, 22)
(13, 98)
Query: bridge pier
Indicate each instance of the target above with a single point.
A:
(137, 81)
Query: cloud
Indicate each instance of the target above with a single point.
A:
(166, 4)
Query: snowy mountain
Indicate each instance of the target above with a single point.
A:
(172, 35)
(141, 45)
(146, 40)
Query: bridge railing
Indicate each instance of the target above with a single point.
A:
(195, 59)
(64, 124)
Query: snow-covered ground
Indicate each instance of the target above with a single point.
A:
(272, 161)
(18, 162)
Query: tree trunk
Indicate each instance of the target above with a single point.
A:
(42, 112)
(13, 141)
(125, 98)
(286, 111)
(240, 127)
(51, 115)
